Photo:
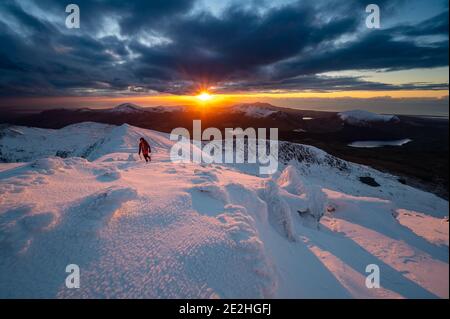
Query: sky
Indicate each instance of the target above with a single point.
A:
(304, 54)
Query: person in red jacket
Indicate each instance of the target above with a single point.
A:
(144, 147)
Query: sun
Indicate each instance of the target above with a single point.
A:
(204, 96)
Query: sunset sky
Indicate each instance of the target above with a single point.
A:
(311, 54)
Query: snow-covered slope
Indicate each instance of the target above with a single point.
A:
(255, 110)
(87, 140)
(171, 230)
(361, 117)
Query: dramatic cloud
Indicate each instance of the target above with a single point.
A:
(177, 46)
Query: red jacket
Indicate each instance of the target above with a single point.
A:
(144, 147)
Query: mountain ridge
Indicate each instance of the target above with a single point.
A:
(196, 230)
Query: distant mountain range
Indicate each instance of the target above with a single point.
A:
(165, 118)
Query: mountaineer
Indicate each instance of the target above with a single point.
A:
(144, 147)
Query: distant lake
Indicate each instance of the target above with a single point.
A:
(307, 118)
(373, 144)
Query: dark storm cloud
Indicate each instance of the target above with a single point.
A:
(132, 16)
(374, 51)
(165, 46)
(437, 25)
(238, 44)
(321, 83)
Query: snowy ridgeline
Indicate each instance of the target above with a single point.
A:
(362, 118)
(170, 230)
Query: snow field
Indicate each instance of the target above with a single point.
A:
(185, 230)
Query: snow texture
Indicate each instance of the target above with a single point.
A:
(80, 195)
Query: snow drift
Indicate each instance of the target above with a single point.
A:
(80, 195)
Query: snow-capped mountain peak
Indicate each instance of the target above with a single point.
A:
(127, 108)
(258, 109)
(361, 117)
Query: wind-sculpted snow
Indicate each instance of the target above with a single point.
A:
(187, 230)
(278, 210)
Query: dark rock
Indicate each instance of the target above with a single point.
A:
(369, 181)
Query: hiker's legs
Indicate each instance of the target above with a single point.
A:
(147, 158)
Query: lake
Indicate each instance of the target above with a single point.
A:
(373, 144)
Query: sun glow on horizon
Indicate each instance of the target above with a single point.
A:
(204, 96)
